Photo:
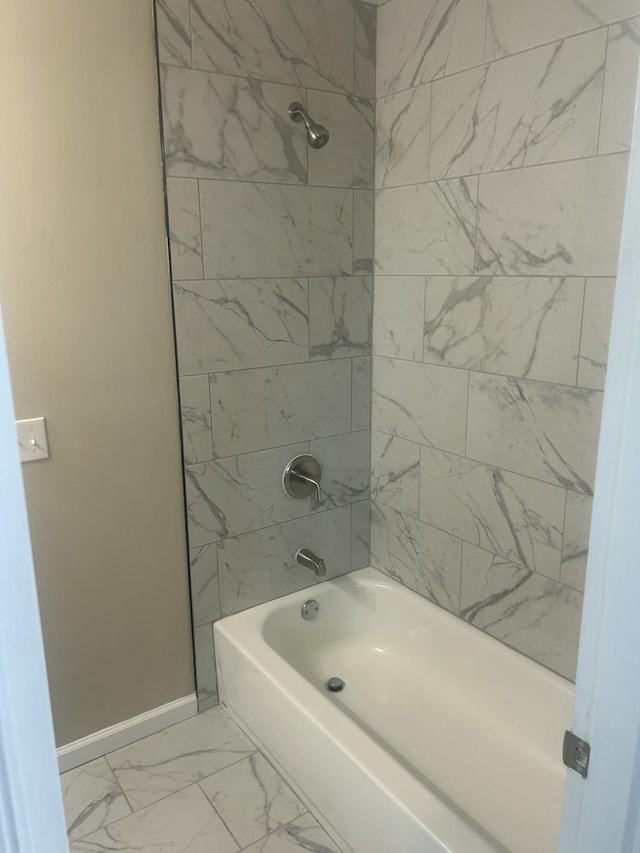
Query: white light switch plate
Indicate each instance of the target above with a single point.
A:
(32, 439)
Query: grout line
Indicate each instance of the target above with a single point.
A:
(604, 81)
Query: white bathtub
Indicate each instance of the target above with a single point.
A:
(442, 740)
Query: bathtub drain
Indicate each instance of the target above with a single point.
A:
(335, 685)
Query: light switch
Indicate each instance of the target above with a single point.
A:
(32, 439)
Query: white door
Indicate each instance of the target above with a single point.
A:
(602, 811)
(31, 819)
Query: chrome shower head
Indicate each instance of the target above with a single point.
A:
(317, 135)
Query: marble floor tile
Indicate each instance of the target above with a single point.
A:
(252, 799)
(92, 798)
(302, 834)
(185, 822)
(177, 757)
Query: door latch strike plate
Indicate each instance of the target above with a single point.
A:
(576, 753)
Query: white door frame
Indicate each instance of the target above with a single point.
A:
(31, 816)
(602, 812)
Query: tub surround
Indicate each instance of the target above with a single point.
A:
(272, 262)
(500, 177)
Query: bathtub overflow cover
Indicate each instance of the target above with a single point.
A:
(335, 685)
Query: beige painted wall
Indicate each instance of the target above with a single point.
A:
(85, 294)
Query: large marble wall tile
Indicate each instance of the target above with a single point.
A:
(620, 82)
(271, 230)
(224, 325)
(197, 434)
(205, 661)
(516, 517)
(362, 232)
(347, 159)
(254, 409)
(398, 323)
(174, 32)
(539, 106)
(92, 798)
(240, 493)
(596, 328)
(260, 566)
(345, 461)
(205, 591)
(540, 430)
(519, 326)
(361, 393)
(422, 558)
(340, 316)
(575, 548)
(420, 402)
(419, 41)
(395, 472)
(527, 611)
(307, 44)
(185, 822)
(402, 137)
(360, 534)
(183, 202)
(230, 128)
(365, 50)
(559, 219)
(427, 229)
(516, 25)
(252, 799)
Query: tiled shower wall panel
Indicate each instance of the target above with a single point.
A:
(501, 156)
(272, 247)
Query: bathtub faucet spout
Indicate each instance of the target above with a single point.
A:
(311, 561)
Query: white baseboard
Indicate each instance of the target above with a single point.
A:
(100, 743)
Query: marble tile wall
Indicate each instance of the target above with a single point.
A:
(272, 263)
(502, 132)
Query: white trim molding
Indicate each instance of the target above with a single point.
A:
(106, 740)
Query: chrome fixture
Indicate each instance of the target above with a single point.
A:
(310, 609)
(317, 135)
(310, 560)
(335, 685)
(301, 477)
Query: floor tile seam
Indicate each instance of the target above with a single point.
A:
(188, 784)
